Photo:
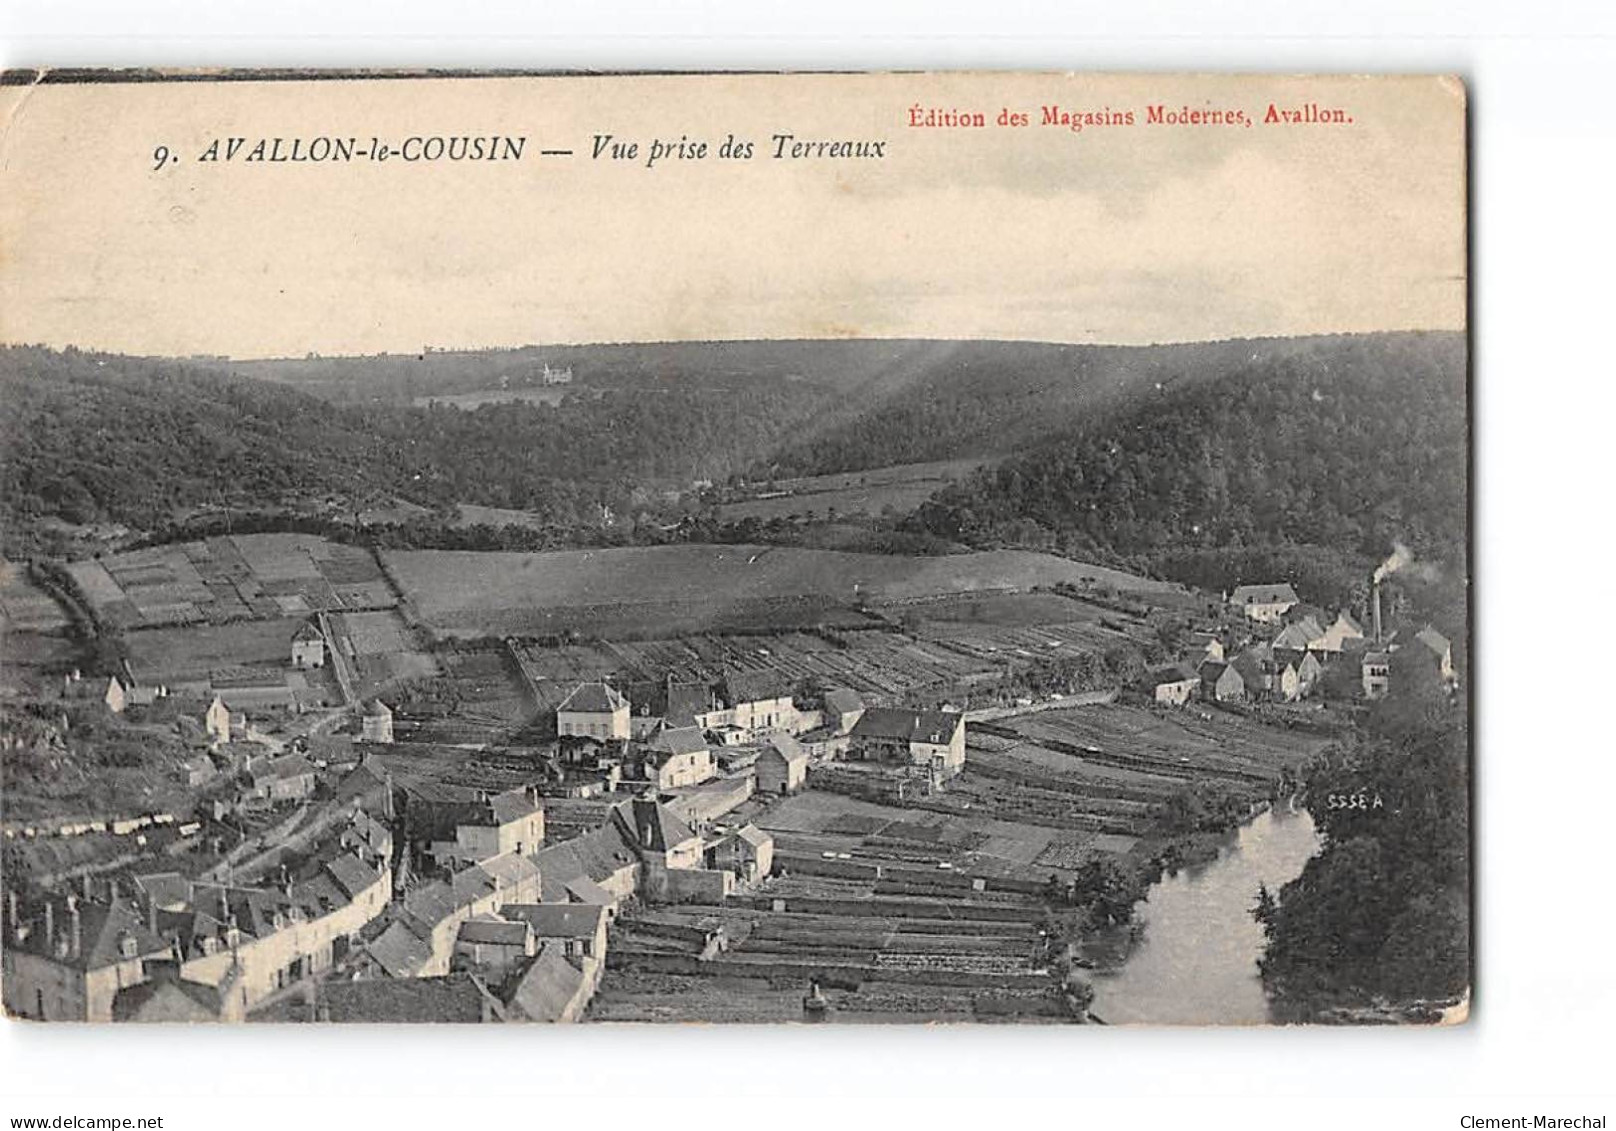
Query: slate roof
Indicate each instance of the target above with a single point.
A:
(309, 632)
(754, 836)
(595, 855)
(546, 987)
(456, 998)
(1171, 673)
(557, 920)
(102, 928)
(199, 1001)
(510, 870)
(594, 698)
(843, 701)
(490, 930)
(399, 951)
(166, 889)
(287, 766)
(754, 686)
(1299, 634)
(1263, 595)
(1433, 640)
(786, 745)
(679, 740)
(351, 874)
(935, 727)
(512, 805)
(654, 826)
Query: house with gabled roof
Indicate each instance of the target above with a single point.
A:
(752, 703)
(594, 710)
(308, 646)
(1265, 604)
(932, 739)
(842, 709)
(66, 956)
(376, 722)
(1301, 635)
(782, 764)
(676, 757)
(553, 989)
(492, 946)
(1440, 650)
(1172, 686)
(748, 852)
(1221, 682)
(1341, 630)
(578, 928)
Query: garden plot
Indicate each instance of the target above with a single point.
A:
(222, 580)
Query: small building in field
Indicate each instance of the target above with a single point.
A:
(1221, 683)
(376, 723)
(594, 710)
(308, 647)
(748, 852)
(1172, 686)
(782, 765)
(1266, 604)
(934, 739)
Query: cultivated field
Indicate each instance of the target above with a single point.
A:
(552, 395)
(380, 649)
(902, 487)
(178, 655)
(24, 607)
(245, 577)
(667, 590)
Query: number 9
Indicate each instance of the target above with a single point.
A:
(160, 157)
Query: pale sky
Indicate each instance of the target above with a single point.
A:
(1115, 234)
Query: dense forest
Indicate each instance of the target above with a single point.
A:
(89, 438)
(1381, 916)
(975, 402)
(1308, 463)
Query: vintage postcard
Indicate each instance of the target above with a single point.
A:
(734, 548)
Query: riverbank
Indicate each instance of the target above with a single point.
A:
(1190, 956)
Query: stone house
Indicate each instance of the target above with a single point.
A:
(932, 739)
(594, 710)
(782, 765)
(1265, 604)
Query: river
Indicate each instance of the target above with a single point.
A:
(1195, 962)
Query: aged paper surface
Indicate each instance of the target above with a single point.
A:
(755, 547)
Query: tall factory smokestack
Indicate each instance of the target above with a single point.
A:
(1374, 607)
